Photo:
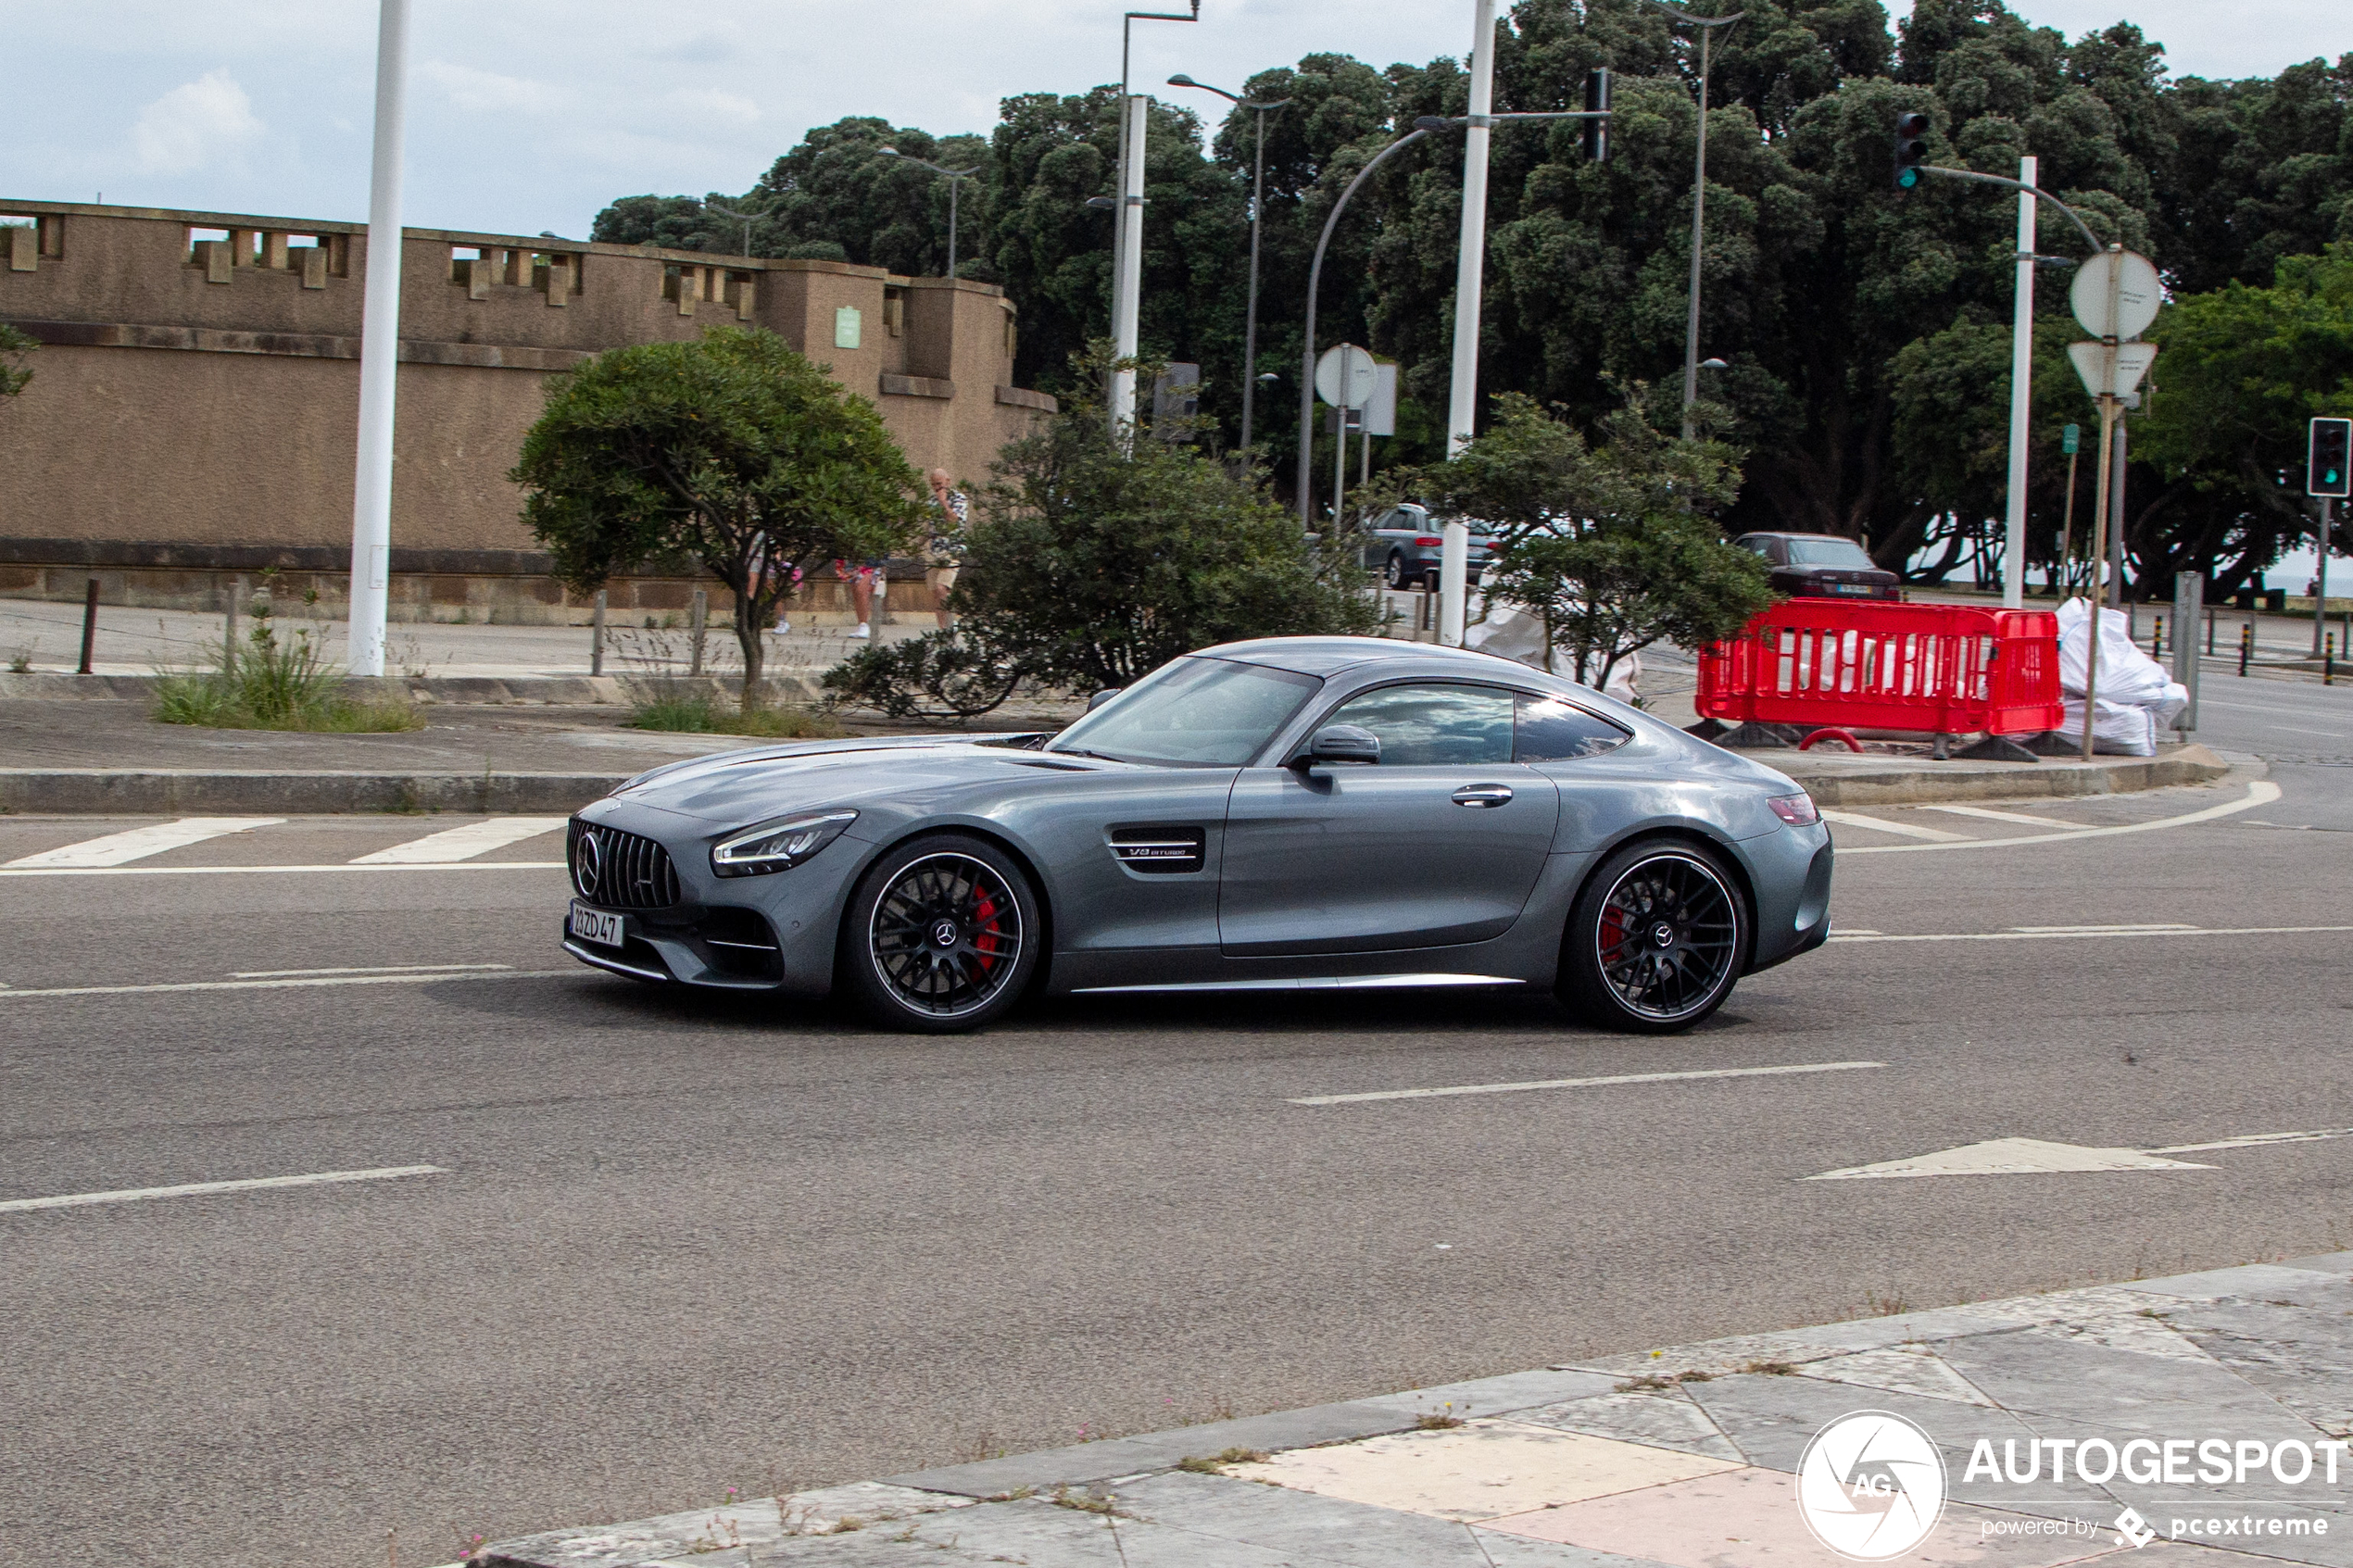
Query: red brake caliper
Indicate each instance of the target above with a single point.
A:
(984, 939)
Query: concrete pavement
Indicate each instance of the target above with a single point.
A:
(2208, 1412)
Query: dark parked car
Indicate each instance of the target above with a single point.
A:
(1403, 542)
(1822, 566)
(1295, 813)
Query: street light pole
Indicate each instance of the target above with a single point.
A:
(1257, 210)
(744, 217)
(1470, 267)
(2021, 390)
(379, 352)
(956, 177)
(1707, 26)
(1127, 271)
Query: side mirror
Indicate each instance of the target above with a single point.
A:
(1340, 742)
(1102, 697)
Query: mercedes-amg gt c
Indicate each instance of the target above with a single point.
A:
(1281, 814)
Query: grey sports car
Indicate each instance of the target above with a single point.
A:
(1281, 814)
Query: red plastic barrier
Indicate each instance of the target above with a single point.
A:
(1948, 669)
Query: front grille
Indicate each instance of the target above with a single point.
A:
(620, 870)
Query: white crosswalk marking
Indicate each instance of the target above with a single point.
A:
(1904, 829)
(137, 843)
(462, 843)
(1993, 816)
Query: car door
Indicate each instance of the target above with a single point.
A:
(1372, 544)
(1439, 843)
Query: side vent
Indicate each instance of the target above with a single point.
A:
(1159, 851)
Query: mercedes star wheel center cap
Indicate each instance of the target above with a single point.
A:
(944, 933)
(1663, 935)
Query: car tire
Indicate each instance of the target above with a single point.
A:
(942, 935)
(1394, 572)
(1657, 938)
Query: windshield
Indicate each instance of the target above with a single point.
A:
(1192, 712)
(1827, 552)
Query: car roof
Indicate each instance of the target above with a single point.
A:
(1782, 533)
(1330, 656)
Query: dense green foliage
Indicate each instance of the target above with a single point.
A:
(1865, 329)
(733, 452)
(14, 347)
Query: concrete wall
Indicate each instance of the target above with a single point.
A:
(195, 401)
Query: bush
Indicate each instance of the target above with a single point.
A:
(938, 675)
(681, 709)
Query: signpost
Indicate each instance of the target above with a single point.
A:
(2116, 296)
(1346, 378)
(2070, 441)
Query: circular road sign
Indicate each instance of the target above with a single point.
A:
(2138, 293)
(1345, 376)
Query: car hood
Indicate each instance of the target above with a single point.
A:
(735, 787)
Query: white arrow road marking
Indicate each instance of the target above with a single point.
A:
(1993, 816)
(136, 844)
(1902, 829)
(406, 978)
(2017, 1157)
(2262, 792)
(462, 842)
(1587, 1083)
(2086, 932)
(190, 1189)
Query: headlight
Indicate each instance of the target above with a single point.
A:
(774, 847)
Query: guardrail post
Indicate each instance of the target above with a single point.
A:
(89, 625)
(597, 651)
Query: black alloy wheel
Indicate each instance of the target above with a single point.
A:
(1657, 938)
(940, 935)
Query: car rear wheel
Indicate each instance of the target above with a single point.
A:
(1656, 940)
(1394, 572)
(942, 935)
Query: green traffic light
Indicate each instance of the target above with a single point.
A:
(1909, 178)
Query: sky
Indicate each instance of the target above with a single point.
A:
(529, 114)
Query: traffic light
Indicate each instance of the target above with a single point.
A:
(1911, 149)
(2330, 471)
(1597, 102)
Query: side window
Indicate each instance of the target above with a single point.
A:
(1552, 731)
(1434, 725)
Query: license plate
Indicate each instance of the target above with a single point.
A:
(595, 926)
(1850, 588)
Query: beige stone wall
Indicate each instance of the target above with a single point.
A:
(199, 395)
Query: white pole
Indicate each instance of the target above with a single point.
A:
(1128, 286)
(1462, 408)
(2021, 390)
(379, 353)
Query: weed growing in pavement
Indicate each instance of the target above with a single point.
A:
(662, 698)
(275, 685)
(1086, 1502)
(1885, 1306)
(20, 660)
(1215, 1465)
(1770, 1369)
(1435, 1420)
(1648, 1382)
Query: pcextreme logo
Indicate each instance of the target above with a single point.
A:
(1871, 1486)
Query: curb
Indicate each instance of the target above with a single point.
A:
(798, 687)
(2004, 780)
(184, 792)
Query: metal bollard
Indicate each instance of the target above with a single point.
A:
(229, 628)
(2156, 639)
(597, 651)
(2210, 633)
(699, 621)
(2246, 644)
(2328, 659)
(89, 625)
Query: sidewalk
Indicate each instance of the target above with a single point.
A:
(2239, 1380)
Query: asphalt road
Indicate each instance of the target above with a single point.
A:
(676, 1245)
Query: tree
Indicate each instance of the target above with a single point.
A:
(14, 347)
(733, 452)
(1611, 546)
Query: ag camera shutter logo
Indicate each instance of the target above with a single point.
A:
(1870, 1487)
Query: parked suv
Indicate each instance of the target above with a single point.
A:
(1404, 544)
(1822, 566)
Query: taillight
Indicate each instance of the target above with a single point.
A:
(1797, 811)
(1429, 540)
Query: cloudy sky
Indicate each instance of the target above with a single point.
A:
(529, 114)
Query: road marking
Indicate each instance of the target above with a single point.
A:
(14, 870)
(2107, 925)
(401, 979)
(1587, 1083)
(2022, 1157)
(1993, 816)
(2097, 930)
(363, 968)
(462, 842)
(136, 844)
(2300, 730)
(191, 1189)
(1904, 830)
(2258, 707)
(2262, 792)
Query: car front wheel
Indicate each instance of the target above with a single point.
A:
(1656, 939)
(942, 935)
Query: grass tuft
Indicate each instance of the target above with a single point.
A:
(275, 685)
(701, 713)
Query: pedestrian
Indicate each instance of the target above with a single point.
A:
(862, 579)
(944, 553)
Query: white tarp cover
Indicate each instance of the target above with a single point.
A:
(1516, 635)
(2137, 698)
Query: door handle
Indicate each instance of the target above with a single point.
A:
(1482, 795)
